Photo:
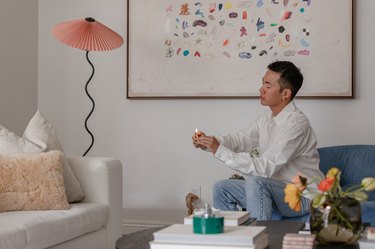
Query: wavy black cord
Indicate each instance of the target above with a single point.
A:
(92, 101)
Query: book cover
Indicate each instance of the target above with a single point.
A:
(366, 243)
(368, 239)
(231, 218)
(261, 243)
(238, 236)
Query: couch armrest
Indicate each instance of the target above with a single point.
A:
(101, 180)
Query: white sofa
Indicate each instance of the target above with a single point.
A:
(93, 223)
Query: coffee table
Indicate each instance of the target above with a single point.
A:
(277, 229)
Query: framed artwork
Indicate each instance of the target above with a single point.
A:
(220, 49)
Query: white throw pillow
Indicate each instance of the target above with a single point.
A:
(41, 133)
(40, 136)
(11, 143)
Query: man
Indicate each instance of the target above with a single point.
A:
(270, 151)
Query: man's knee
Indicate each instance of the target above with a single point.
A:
(219, 186)
(218, 194)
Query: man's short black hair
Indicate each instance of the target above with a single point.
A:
(290, 76)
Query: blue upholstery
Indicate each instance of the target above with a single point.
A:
(368, 212)
(355, 162)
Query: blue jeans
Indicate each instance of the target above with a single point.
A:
(263, 197)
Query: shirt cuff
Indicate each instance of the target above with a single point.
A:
(222, 153)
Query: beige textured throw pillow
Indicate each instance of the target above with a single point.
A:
(32, 182)
(40, 136)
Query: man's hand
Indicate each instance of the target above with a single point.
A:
(208, 142)
(195, 137)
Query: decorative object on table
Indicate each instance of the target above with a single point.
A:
(231, 218)
(208, 222)
(300, 241)
(182, 236)
(335, 212)
(305, 229)
(356, 161)
(89, 35)
(192, 201)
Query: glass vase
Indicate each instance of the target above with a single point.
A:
(337, 220)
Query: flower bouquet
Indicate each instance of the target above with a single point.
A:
(335, 212)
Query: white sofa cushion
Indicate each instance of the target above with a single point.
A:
(41, 229)
(94, 240)
(12, 236)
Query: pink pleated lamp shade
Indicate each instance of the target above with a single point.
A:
(87, 34)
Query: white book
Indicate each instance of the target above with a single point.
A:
(235, 236)
(262, 243)
(231, 218)
(366, 242)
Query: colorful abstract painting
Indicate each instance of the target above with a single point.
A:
(222, 48)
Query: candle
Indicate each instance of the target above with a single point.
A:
(197, 134)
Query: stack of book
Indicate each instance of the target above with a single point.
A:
(179, 236)
(298, 241)
(231, 218)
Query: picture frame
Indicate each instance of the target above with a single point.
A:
(200, 49)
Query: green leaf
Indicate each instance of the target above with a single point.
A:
(359, 196)
(318, 200)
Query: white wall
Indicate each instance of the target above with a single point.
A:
(18, 63)
(152, 137)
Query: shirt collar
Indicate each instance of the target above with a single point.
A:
(284, 114)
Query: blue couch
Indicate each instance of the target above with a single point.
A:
(355, 162)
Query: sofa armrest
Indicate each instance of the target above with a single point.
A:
(101, 180)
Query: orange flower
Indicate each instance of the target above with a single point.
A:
(300, 182)
(293, 197)
(326, 184)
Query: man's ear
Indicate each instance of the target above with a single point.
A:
(287, 93)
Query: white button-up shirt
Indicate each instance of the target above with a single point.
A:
(275, 147)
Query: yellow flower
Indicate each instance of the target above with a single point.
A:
(332, 173)
(368, 183)
(293, 197)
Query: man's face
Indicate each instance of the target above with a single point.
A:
(270, 94)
